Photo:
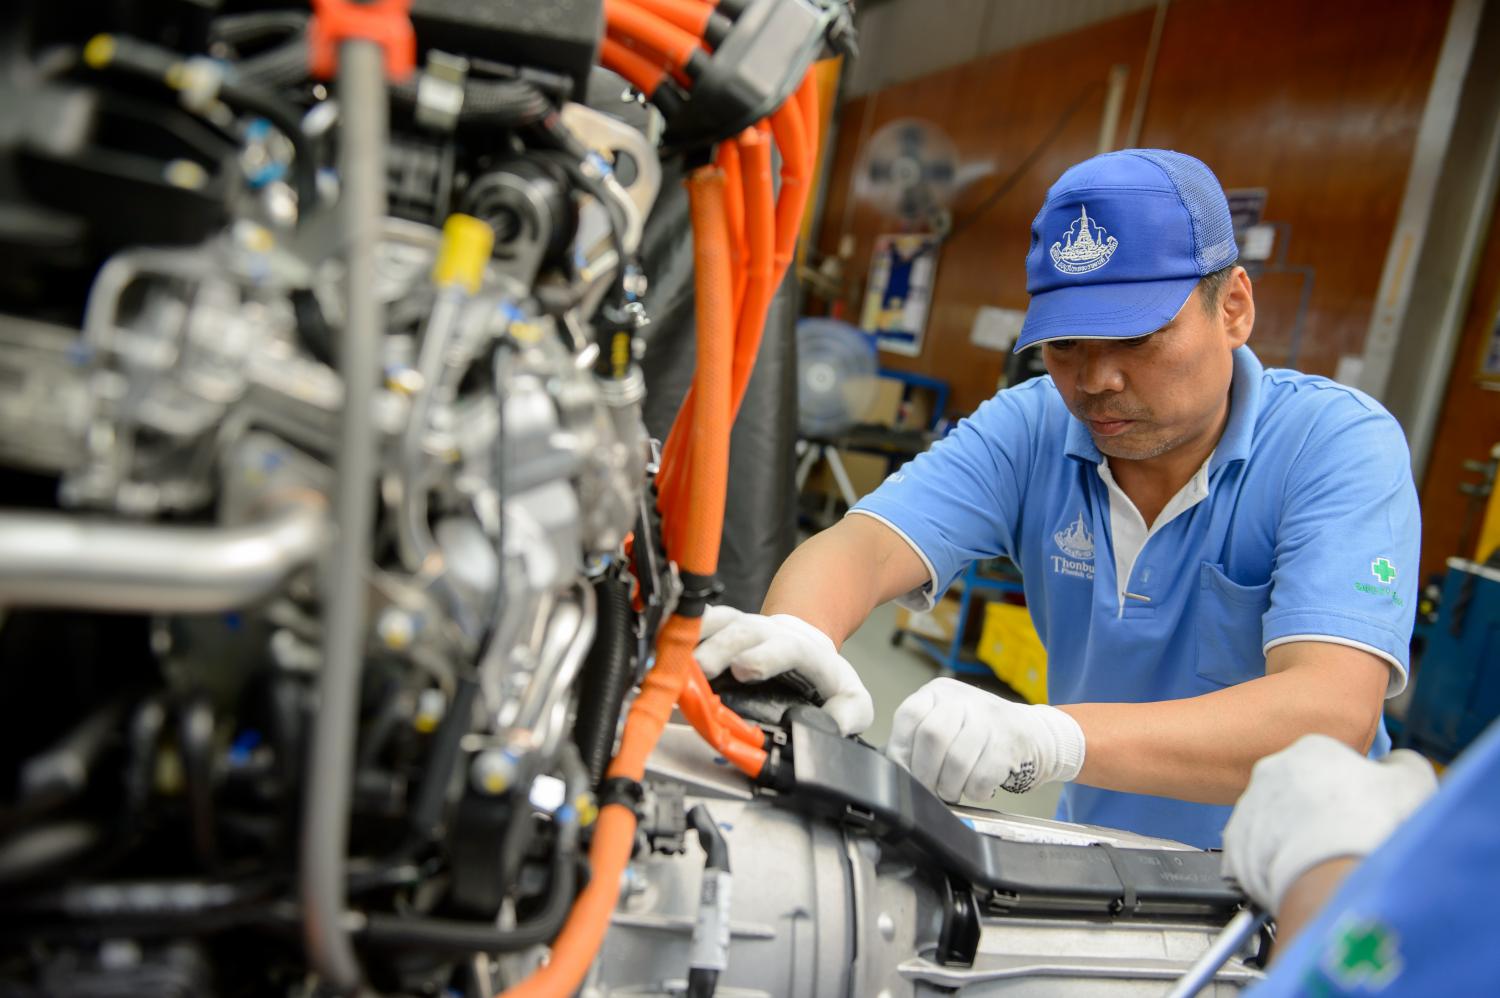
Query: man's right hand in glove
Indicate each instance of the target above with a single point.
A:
(755, 648)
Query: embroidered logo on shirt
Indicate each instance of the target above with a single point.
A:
(1385, 572)
(1364, 955)
(1084, 247)
(1077, 542)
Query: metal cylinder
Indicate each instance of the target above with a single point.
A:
(51, 559)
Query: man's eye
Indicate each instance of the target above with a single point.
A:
(1139, 341)
(1061, 346)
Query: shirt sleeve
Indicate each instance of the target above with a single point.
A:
(960, 501)
(1348, 540)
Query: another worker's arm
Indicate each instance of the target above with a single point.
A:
(1307, 896)
(1202, 749)
(835, 579)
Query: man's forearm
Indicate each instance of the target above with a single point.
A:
(1203, 748)
(837, 577)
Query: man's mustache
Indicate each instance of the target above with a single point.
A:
(1108, 411)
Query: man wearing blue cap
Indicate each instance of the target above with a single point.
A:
(1218, 557)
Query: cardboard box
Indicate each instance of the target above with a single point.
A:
(1010, 647)
(936, 624)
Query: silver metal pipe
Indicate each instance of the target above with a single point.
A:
(362, 147)
(50, 559)
(569, 635)
(414, 540)
(1225, 945)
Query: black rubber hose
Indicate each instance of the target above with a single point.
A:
(490, 103)
(607, 675)
(427, 813)
(279, 64)
(460, 937)
(702, 982)
(151, 61)
(195, 739)
(710, 838)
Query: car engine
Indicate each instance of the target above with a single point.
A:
(344, 597)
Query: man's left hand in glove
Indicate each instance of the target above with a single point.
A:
(963, 742)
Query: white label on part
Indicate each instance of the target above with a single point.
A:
(711, 932)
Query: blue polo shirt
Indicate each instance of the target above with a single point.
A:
(1302, 525)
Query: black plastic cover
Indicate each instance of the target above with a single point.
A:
(557, 35)
(850, 782)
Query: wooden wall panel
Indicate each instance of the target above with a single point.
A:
(1317, 102)
(1468, 426)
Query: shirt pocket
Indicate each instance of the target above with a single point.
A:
(1228, 622)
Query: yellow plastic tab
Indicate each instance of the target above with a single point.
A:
(99, 51)
(467, 242)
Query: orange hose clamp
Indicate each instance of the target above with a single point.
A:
(385, 22)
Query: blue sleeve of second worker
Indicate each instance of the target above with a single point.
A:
(1416, 917)
(1348, 538)
(961, 500)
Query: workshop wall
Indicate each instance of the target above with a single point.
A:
(1317, 103)
(1468, 426)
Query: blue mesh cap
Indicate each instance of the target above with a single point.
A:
(1120, 243)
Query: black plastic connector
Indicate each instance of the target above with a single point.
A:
(757, 66)
(664, 819)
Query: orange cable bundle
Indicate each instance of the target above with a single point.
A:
(693, 542)
(689, 15)
(628, 20)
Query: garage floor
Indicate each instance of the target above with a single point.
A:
(894, 673)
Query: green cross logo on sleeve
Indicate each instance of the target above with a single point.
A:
(1364, 956)
(1383, 570)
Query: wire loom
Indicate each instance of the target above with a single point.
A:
(744, 239)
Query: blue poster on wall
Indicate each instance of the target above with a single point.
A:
(899, 293)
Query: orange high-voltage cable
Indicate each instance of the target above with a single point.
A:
(760, 240)
(640, 71)
(693, 542)
(728, 160)
(625, 19)
(689, 15)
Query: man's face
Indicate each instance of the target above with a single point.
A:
(1145, 397)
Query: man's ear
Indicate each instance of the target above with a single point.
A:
(1237, 307)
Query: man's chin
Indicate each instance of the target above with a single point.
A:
(1132, 445)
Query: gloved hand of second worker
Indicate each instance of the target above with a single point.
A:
(755, 648)
(1315, 801)
(962, 741)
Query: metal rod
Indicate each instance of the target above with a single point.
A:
(362, 94)
(1228, 942)
(1143, 95)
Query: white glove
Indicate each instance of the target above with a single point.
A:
(962, 741)
(1315, 801)
(755, 648)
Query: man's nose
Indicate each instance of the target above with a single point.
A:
(1100, 372)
